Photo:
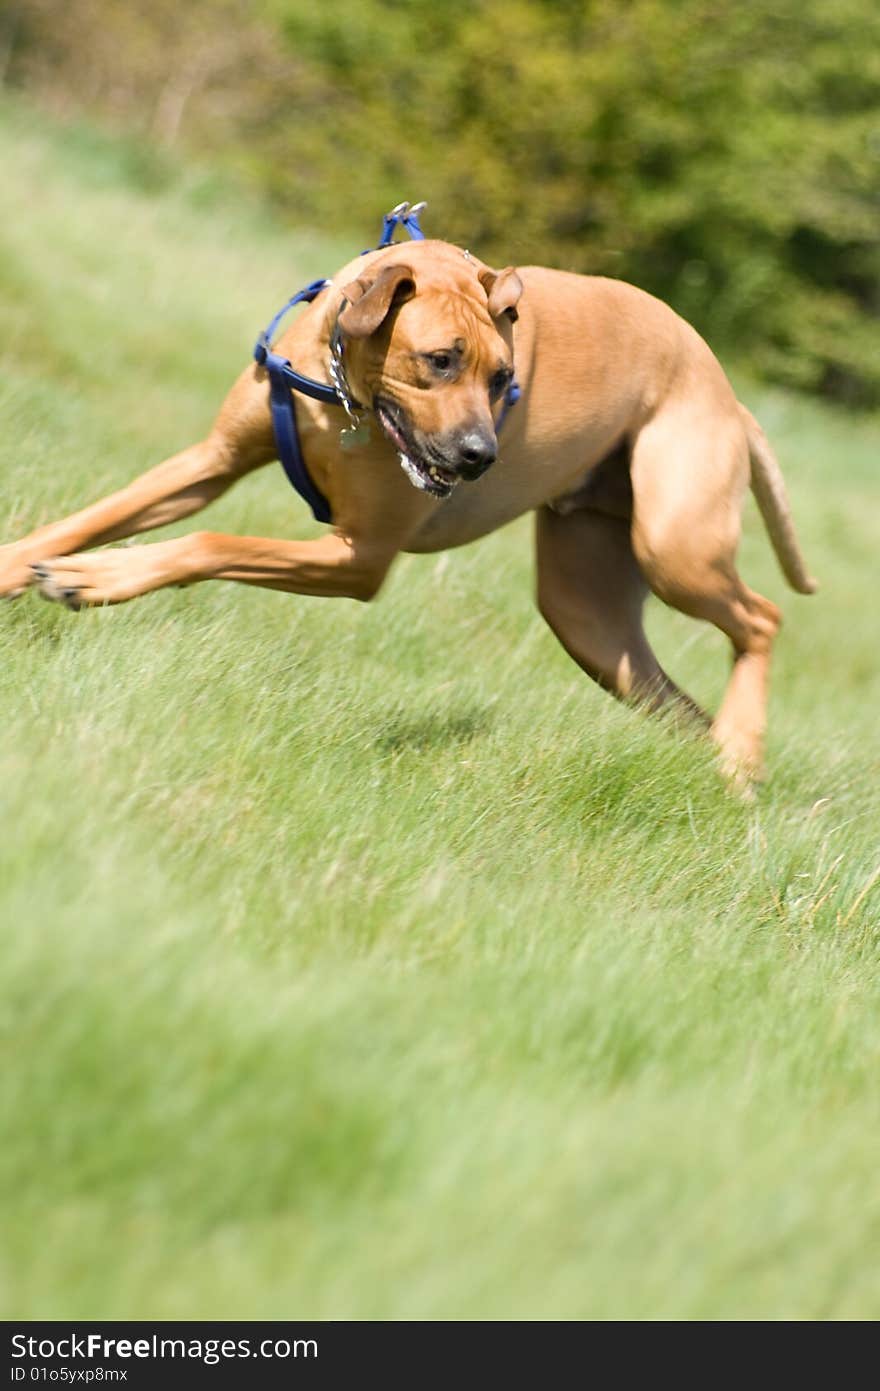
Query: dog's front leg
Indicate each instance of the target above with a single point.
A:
(173, 490)
(241, 440)
(334, 566)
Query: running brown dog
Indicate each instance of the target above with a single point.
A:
(628, 444)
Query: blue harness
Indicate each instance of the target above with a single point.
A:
(284, 379)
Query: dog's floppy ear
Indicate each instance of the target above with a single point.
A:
(504, 288)
(371, 297)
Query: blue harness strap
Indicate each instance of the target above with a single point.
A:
(284, 379)
(290, 450)
(511, 396)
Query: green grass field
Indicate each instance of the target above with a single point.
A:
(367, 961)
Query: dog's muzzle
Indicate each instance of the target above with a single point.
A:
(436, 464)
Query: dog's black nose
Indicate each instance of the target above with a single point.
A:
(477, 450)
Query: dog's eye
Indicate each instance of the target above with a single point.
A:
(441, 362)
(499, 382)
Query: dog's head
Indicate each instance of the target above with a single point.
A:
(429, 347)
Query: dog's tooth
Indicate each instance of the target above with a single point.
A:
(412, 472)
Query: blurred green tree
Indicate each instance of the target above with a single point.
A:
(725, 157)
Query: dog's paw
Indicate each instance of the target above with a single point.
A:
(16, 575)
(741, 760)
(98, 577)
(51, 584)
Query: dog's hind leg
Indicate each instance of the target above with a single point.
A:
(689, 472)
(240, 441)
(591, 593)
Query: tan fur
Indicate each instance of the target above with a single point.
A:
(628, 444)
(768, 486)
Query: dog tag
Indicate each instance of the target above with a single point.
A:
(354, 436)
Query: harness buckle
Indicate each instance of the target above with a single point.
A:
(406, 215)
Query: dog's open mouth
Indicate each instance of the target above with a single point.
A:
(421, 470)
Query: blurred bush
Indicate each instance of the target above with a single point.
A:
(724, 156)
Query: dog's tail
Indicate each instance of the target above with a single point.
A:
(768, 486)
